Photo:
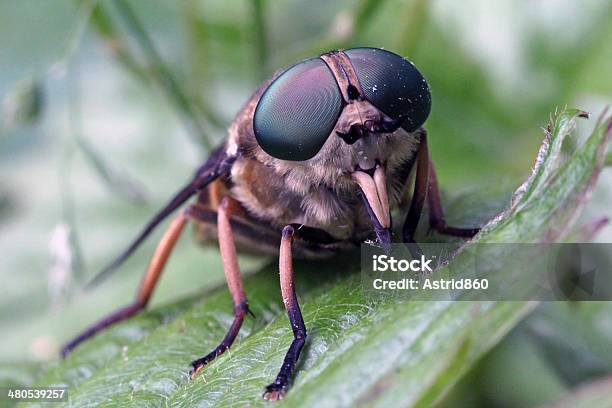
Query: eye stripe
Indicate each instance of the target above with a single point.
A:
(298, 111)
(392, 84)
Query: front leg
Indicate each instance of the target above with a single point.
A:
(426, 186)
(436, 214)
(278, 388)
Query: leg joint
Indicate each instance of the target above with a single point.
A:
(437, 223)
(242, 309)
(288, 231)
(300, 334)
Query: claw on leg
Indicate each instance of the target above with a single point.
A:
(239, 314)
(275, 392)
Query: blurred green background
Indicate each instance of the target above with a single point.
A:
(108, 107)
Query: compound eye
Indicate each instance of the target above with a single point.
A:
(393, 85)
(298, 111)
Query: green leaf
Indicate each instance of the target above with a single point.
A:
(595, 394)
(18, 374)
(384, 353)
(573, 338)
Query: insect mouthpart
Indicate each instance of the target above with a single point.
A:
(373, 185)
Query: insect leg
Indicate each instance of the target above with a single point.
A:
(418, 197)
(278, 388)
(234, 282)
(426, 185)
(145, 291)
(436, 214)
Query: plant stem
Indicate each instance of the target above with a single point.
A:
(416, 17)
(197, 38)
(164, 77)
(360, 18)
(85, 13)
(261, 39)
(68, 206)
(109, 33)
(118, 182)
(364, 13)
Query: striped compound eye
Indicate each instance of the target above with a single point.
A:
(298, 111)
(392, 84)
